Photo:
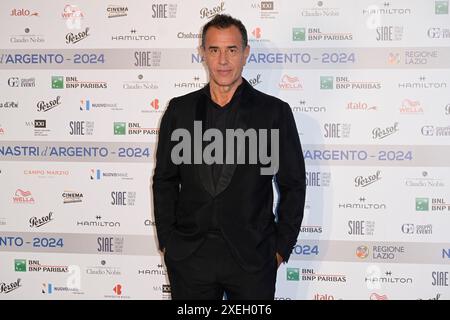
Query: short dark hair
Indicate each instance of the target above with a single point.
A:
(223, 21)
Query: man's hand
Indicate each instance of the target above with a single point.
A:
(279, 259)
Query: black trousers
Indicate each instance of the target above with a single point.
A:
(212, 271)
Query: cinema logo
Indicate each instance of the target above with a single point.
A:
(114, 11)
(72, 197)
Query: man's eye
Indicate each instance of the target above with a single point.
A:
(213, 50)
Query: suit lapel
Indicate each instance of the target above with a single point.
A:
(240, 121)
(203, 170)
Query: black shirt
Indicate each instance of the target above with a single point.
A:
(221, 118)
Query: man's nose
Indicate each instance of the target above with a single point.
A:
(223, 57)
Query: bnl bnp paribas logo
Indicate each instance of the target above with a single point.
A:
(441, 7)
(436, 204)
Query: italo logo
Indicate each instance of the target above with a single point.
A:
(23, 13)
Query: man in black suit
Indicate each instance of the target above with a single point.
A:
(213, 203)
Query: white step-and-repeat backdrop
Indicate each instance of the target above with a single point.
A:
(83, 87)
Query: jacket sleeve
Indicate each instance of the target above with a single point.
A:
(291, 182)
(166, 180)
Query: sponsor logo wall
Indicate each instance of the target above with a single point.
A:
(84, 85)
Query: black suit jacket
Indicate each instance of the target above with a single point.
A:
(185, 196)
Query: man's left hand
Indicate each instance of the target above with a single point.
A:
(279, 259)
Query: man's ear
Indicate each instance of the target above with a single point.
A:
(246, 53)
(201, 51)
